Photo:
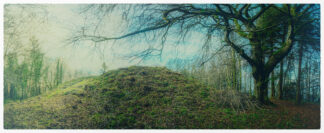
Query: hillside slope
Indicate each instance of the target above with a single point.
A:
(147, 97)
(125, 98)
(54, 109)
(142, 97)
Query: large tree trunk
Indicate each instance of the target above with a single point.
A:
(261, 84)
(280, 92)
(262, 91)
(300, 59)
(260, 68)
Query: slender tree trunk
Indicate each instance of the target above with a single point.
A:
(255, 90)
(247, 82)
(240, 75)
(308, 80)
(9, 91)
(300, 59)
(22, 93)
(234, 75)
(250, 86)
(313, 94)
(286, 75)
(280, 92)
(61, 73)
(272, 86)
(228, 79)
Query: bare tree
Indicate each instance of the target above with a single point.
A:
(153, 21)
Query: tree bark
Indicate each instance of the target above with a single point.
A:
(240, 74)
(9, 91)
(300, 59)
(280, 92)
(261, 84)
(250, 87)
(272, 86)
(261, 87)
(261, 69)
(309, 81)
(234, 73)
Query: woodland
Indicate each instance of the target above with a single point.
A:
(257, 67)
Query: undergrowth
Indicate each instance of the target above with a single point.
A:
(142, 97)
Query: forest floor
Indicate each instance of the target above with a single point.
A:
(150, 97)
(308, 112)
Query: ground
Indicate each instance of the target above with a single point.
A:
(152, 97)
(309, 113)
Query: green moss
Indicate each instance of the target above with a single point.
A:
(135, 97)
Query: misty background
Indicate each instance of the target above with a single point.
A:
(61, 21)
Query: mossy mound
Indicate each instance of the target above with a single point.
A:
(142, 97)
(134, 97)
(59, 108)
(146, 97)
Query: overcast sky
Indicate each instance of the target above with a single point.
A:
(63, 19)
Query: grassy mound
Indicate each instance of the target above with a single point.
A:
(54, 109)
(146, 97)
(141, 97)
(134, 97)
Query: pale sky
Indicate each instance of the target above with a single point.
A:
(62, 19)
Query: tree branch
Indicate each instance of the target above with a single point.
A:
(234, 46)
(241, 9)
(164, 17)
(263, 9)
(276, 57)
(101, 38)
(246, 11)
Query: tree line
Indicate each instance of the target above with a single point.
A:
(31, 74)
(27, 70)
(227, 71)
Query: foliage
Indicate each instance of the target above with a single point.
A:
(31, 75)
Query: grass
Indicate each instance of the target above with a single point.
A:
(49, 110)
(143, 97)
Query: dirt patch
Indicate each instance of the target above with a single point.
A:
(309, 113)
